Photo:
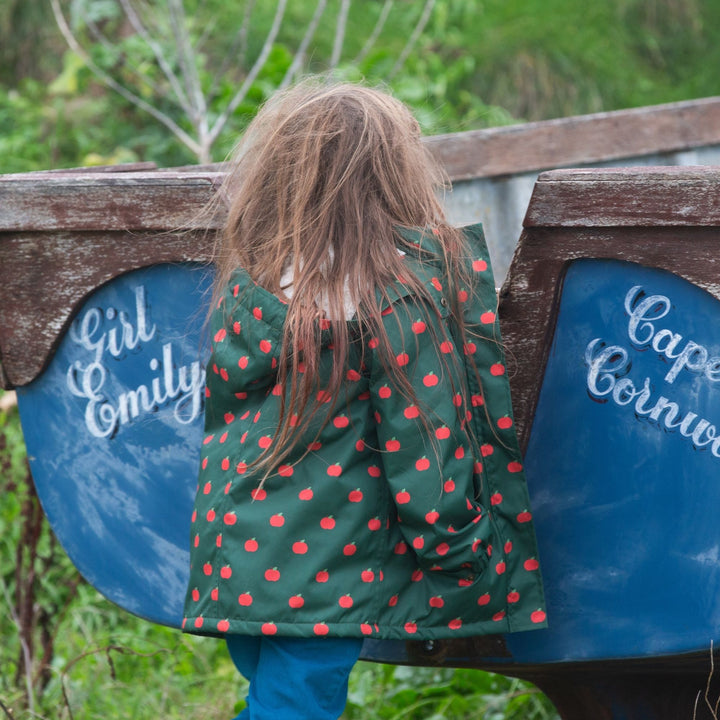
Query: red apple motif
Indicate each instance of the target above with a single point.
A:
(258, 494)
(285, 470)
(446, 347)
(207, 568)
(220, 335)
(257, 313)
(268, 628)
(442, 549)
(417, 575)
(225, 464)
(243, 362)
(223, 625)
(455, 624)
(500, 567)
(531, 564)
(353, 375)
(341, 421)
(486, 450)
(436, 601)
(218, 540)
(538, 616)
(367, 576)
(265, 441)
(374, 524)
(479, 265)
(449, 485)
(422, 464)
(251, 545)
(334, 470)
(498, 616)
(419, 542)
(322, 577)
(355, 496)
(410, 627)
(277, 520)
(214, 593)
(300, 547)
(321, 629)
(418, 327)
(470, 348)
(496, 498)
(411, 412)
(504, 423)
(272, 575)
(487, 318)
(525, 516)
(327, 523)
(462, 296)
(513, 596)
(199, 622)
(210, 515)
(241, 467)
(374, 471)
(365, 629)
(296, 601)
(224, 374)
(401, 548)
(432, 517)
(236, 327)
(306, 494)
(393, 601)
(384, 392)
(314, 446)
(442, 433)
(392, 445)
(228, 417)
(265, 346)
(225, 572)
(345, 601)
(350, 549)
(484, 599)
(430, 380)
(195, 594)
(403, 497)
(402, 359)
(508, 547)
(207, 488)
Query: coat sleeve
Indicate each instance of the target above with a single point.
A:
(424, 445)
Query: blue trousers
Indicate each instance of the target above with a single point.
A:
(294, 678)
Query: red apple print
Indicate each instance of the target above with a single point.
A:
(462, 296)
(392, 445)
(385, 392)
(486, 450)
(484, 599)
(228, 417)
(500, 567)
(218, 540)
(373, 343)
(393, 601)
(504, 423)
(208, 439)
(459, 452)
(457, 400)
(352, 375)
(387, 311)
(514, 467)
(411, 412)
(479, 265)
(225, 572)
(243, 362)
(265, 441)
(449, 485)
(321, 629)
(442, 433)
(508, 547)
(446, 347)
(230, 518)
(345, 601)
(402, 497)
(258, 494)
(268, 628)
(496, 498)
(277, 389)
(251, 545)
(300, 547)
(524, 517)
(442, 549)
(236, 327)
(402, 359)
(257, 416)
(220, 335)
(224, 374)
(418, 327)
(365, 629)
(210, 515)
(285, 470)
(436, 601)
(243, 437)
(350, 549)
(432, 517)
(417, 575)
(478, 468)
(207, 568)
(531, 564)
(367, 575)
(327, 523)
(477, 400)
(497, 369)
(272, 575)
(355, 495)
(360, 445)
(314, 446)
(225, 464)
(325, 324)
(334, 470)
(322, 577)
(323, 397)
(422, 464)
(257, 313)
(513, 596)
(498, 616)
(265, 346)
(341, 421)
(377, 416)
(195, 594)
(277, 520)
(374, 524)
(196, 540)
(465, 582)
(296, 601)
(410, 628)
(419, 542)
(199, 622)
(430, 380)
(436, 284)
(469, 348)
(455, 624)
(223, 437)
(207, 488)
(374, 471)
(401, 548)
(538, 616)
(214, 593)
(487, 318)
(306, 494)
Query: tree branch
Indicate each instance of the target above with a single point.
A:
(254, 70)
(160, 116)
(157, 51)
(339, 33)
(372, 39)
(294, 68)
(421, 23)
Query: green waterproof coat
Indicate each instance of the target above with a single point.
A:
(390, 527)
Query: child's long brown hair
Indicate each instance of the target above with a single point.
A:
(322, 179)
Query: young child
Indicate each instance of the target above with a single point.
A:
(360, 475)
